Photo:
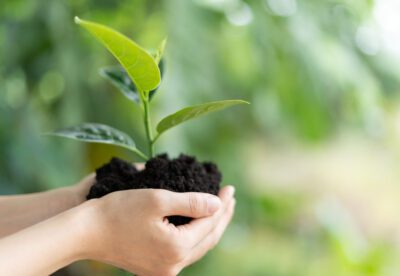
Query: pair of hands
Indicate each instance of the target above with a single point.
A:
(129, 229)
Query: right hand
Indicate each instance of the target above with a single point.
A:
(129, 229)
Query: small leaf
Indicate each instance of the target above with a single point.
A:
(160, 51)
(97, 133)
(161, 66)
(120, 79)
(139, 64)
(192, 112)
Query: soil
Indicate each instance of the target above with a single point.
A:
(182, 174)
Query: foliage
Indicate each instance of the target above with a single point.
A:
(296, 61)
(144, 77)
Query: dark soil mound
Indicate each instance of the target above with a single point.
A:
(183, 174)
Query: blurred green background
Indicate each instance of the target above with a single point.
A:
(315, 158)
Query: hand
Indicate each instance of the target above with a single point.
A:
(129, 229)
(80, 190)
(126, 228)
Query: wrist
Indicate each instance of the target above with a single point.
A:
(49, 245)
(85, 222)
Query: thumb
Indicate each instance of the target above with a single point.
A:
(194, 205)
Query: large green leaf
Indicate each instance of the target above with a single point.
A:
(192, 112)
(140, 65)
(99, 133)
(120, 79)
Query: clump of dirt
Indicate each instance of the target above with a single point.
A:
(182, 174)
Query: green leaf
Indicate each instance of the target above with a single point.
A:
(192, 112)
(120, 79)
(99, 133)
(160, 51)
(161, 66)
(140, 65)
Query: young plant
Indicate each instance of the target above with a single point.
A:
(138, 80)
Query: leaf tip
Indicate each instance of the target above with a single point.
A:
(164, 42)
(103, 72)
(77, 20)
(241, 102)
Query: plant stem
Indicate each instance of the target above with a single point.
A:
(139, 153)
(147, 124)
(155, 138)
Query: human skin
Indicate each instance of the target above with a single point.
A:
(127, 229)
(20, 211)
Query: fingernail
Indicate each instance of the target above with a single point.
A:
(213, 204)
(231, 190)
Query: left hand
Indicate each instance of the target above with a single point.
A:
(80, 190)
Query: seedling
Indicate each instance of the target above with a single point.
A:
(138, 80)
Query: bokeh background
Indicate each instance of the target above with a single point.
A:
(315, 158)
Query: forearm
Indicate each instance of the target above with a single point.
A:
(21, 211)
(45, 247)
(101, 229)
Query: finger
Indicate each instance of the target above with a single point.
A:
(84, 185)
(139, 166)
(214, 236)
(89, 179)
(226, 192)
(194, 205)
(198, 229)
